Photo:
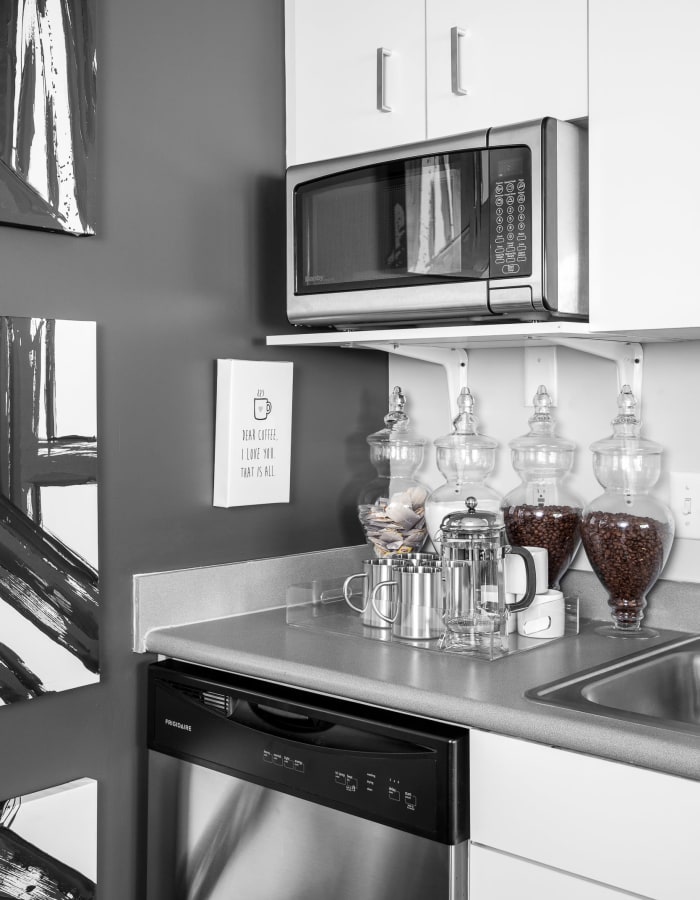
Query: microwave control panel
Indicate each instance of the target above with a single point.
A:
(510, 212)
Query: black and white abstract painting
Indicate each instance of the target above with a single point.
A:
(48, 843)
(48, 74)
(48, 507)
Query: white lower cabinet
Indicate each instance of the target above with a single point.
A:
(498, 876)
(615, 827)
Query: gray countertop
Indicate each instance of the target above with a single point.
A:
(448, 687)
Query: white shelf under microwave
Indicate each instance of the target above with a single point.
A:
(448, 345)
(465, 337)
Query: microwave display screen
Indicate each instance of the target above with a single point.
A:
(422, 220)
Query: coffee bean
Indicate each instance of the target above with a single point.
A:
(554, 527)
(627, 554)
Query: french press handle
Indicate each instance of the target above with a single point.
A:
(530, 580)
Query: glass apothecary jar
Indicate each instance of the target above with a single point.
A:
(391, 507)
(627, 533)
(465, 459)
(542, 511)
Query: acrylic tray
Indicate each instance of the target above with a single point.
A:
(320, 606)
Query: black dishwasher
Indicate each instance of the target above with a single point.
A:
(259, 791)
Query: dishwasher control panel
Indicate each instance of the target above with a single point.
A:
(387, 787)
(396, 769)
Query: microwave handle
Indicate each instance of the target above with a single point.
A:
(382, 104)
(457, 36)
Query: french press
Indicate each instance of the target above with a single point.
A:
(473, 550)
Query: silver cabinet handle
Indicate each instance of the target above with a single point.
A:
(456, 36)
(382, 55)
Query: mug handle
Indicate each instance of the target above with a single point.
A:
(375, 591)
(346, 586)
(530, 580)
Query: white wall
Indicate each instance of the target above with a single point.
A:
(587, 391)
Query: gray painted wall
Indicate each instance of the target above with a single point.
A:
(187, 267)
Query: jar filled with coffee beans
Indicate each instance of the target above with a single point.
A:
(627, 533)
(542, 511)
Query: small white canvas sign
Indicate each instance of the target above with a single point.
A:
(253, 432)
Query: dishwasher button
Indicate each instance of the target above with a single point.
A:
(277, 759)
(394, 793)
(340, 778)
(298, 766)
(351, 783)
(267, 756)
(410, 800)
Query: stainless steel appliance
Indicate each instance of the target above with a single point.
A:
(259, 791)
(468, 227)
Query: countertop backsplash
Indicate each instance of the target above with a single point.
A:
(165, 599)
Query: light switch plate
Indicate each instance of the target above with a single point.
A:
(685, 504)
(252, 453)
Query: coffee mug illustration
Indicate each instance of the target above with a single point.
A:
(261, 408)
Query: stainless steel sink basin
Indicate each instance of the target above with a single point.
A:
(660, 686)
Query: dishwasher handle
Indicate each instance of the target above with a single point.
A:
(287, 723)
(303, 727)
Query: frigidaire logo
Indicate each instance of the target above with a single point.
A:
(180, 725)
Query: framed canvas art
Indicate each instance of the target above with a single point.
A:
(49, 594)
(48, 74)
(48, 843)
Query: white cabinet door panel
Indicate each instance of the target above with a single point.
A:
(644, 134)
(627, 827)
(521, 59)
(331, 70)
(499, 876)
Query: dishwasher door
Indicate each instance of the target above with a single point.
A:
(258, 792)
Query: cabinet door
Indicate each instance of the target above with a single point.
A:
(498, 876)
(332, 75)
(517, 60)
(644, 135)
(617, 824)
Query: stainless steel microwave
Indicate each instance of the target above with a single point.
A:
(465, 228)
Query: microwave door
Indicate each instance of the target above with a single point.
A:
(416, 220)
(366, 238)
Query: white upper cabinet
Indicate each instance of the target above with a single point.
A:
(447, 66)
(644, 72)
(335, 68)
(496, 63)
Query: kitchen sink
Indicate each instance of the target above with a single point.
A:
(660, 686)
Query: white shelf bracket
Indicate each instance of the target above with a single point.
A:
(454, 360)
(628, 357)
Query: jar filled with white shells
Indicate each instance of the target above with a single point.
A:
(391, 507)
